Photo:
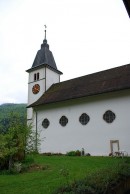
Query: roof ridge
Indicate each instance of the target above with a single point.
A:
(105, 81)
(106, 70)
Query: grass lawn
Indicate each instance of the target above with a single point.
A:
(45, 181)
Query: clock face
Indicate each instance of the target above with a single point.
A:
(35, 88)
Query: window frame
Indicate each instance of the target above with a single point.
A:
(84, 118)
(36, 76)
(109, 116)
(63, 121)
(45, 123)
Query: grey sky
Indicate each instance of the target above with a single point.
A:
(85, 36)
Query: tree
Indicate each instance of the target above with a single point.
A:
(17, 140)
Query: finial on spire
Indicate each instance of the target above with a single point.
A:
(45, 40)
(45, 31)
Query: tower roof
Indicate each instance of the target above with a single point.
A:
(44, 57)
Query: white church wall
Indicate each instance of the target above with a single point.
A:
(41, 72)
(41, 81)
(51, 78)
(95, 136)
(33, 97)
(29, 113)
(46, 78)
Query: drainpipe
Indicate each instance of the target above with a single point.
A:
(36, 134)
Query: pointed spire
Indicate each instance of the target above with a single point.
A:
(45, 40)
(45, 31)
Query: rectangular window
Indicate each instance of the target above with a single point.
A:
(35, 77)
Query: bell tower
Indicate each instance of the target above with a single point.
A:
(42, 75)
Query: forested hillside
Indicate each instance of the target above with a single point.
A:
(6, 110)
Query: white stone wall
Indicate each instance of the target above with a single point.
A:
(96, 135)
(51, 78)
(40, 71)
(33, 97)
(47, 77)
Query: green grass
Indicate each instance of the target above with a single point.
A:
(46, 181)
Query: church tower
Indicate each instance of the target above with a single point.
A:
(42, 75)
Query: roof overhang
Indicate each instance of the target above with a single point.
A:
(34, 105)
(43, 65)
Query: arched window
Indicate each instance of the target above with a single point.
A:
(63, 121)
(45, 123)
(84, 119)
(109, 116)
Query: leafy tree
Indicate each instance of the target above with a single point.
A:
(6, 110)
(16, 141)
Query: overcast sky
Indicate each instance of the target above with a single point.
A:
(85, 36)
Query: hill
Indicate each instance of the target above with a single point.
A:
(5, 112)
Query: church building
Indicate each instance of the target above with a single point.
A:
(91, 112)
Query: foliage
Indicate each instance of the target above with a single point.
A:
(6, 110)
(74, 153)
(17, 139)
(99, 182)
(13, 142)
(65, 173)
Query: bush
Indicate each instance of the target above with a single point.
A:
(16, 169)
(74, 153)
(99, 182)
(52, 154)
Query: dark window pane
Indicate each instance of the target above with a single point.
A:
(109, 116)
(84, 119)
(37, 76)
(63, 121)
(45, 123)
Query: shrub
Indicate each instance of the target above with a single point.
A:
(17, 167)
(99, 182)
(74, 153)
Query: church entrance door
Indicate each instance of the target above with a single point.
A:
(114, 146)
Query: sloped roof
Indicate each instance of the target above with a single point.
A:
(44, 57)
(114, 79)
(127, 5)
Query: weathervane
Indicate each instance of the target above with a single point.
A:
(45, 31)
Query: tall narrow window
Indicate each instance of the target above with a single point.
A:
(37, 76)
